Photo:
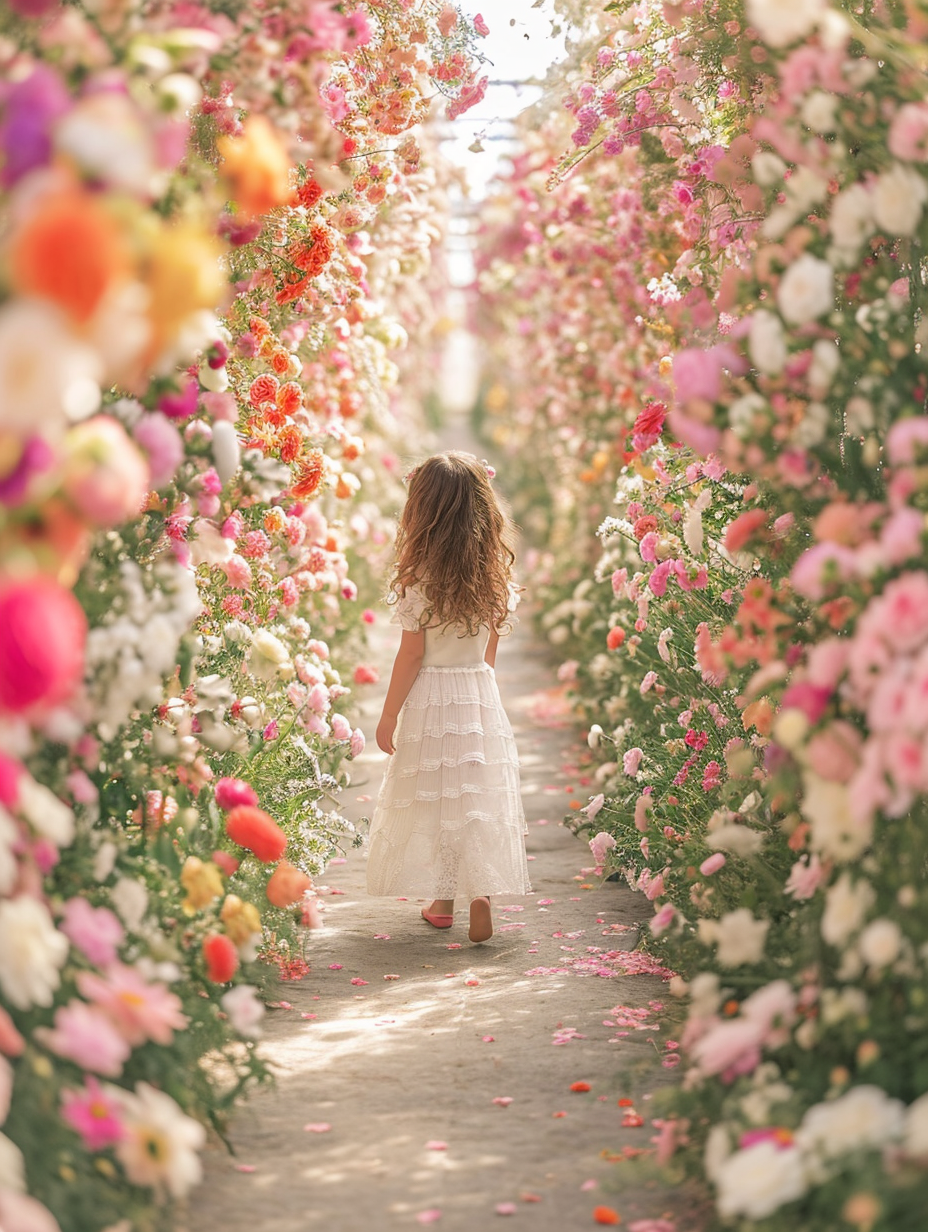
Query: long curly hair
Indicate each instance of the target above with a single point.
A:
(452, 543)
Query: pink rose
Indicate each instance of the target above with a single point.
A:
(230, 793)
(901, 612)
(600, 844)
(822, 568)
(805, 877)
(908, 133)
(341, 728)
(729, 1047)
(642, 804)
(238, 572)
(810, 698)
(364, 673)
(834, 753)
(663, 919)
(104, 475)
(42, 634)
(901, 536)
(631, 761)
(712, 864)
(357, 742)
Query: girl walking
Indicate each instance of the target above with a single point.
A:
(449, 821)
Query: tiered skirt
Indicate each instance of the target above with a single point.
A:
(449, 821)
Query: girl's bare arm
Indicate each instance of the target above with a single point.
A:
(492, 644)
(405, 670)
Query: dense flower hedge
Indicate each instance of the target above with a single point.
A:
(716, 301)
(205, 211)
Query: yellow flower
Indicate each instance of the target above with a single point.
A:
(202, 881)
(241, 919)
(256, 166)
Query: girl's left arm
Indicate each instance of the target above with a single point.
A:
(405, 670)
(492, 645)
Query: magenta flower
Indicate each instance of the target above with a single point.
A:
(94, 1114)
(232, 792)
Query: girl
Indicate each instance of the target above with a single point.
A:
(449, 819)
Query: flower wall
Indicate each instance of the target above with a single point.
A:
(714, 323)
(216, 238)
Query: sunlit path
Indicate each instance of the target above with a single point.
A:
(412, 1071)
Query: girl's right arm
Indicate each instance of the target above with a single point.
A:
(405, 670)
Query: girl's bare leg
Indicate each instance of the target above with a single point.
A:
(481, 920)
(440, 914)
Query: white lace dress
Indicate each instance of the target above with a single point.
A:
(449, 821)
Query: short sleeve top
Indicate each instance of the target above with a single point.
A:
(407, 609)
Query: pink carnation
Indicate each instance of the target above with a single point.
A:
(631, 760)
(87, 1036)
(805, 877)
(600, 844)
(96, 931)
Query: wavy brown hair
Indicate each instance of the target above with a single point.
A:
(452, 543)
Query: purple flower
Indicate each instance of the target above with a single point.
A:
(31, 107)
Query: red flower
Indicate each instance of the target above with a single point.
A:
(580, 1086)
(615, 637)
(650, 421)
(221, 958)
(308, 193)
(605, 1214)
(252, 828)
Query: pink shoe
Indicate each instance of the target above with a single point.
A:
(437, 921)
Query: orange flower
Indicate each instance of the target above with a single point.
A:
(605, 1214)
(290, 398)
(308, 193)
(289, 443)
(259, 327)
(309, 474)
(263, 389)
(252, 828)
(221, 958)
(287, 885)
(256, 166)
(280, 360)
(580, 1086)
(70, 251)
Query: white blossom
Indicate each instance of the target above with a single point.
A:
(32, 952)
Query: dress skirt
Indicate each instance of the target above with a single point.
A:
(449, 821)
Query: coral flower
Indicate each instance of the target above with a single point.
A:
(70, 251)
(221, 958)
(287, 885)
(256, 167)
(252, 828)
(308, 474)
(606, 1215)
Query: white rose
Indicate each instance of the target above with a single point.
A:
(245, 1010)
(880, 943)
(130, 899)
(851, 219)
(826, 359)
(207, 544)
(899, 196)
(9, 865)
(916, 1128)
(835, 831)
(818, 112)
(766, 343)
(225, 449)
(846, 905)
(863, 1117)
(32, 951)
(744, 413)
(740, 938)
(268, 657)
(759, 1180)
(768, 168)
(214, 379)
(806, 290)
(705, 994)
(781, 22)
(47, 815)
(12, 1166)
(738, 839)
